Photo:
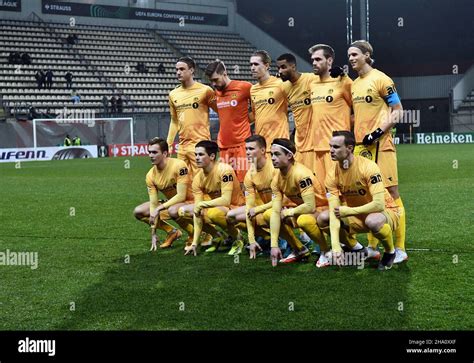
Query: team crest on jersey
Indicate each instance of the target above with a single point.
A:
(196, 99)
(234, 95)
(331, 91)
(369, 90)
(270, 93)
(366, 154)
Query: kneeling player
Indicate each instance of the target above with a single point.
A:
(170, 177)
(216, 190)
(299, 185)
(369, 206)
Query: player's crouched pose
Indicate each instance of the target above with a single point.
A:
(170, 177)
(368, 205)
(300, 186)
(216, 190)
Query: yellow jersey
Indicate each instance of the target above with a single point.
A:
(358, 184)
(189, 108)
(220, 179)
(331, 105)
(299, 101)
(372, 95)
(270, 107)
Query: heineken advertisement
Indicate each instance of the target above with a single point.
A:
(122, 12)
(10, 5)
(445, 138)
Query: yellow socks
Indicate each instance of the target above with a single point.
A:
(401, 230)
(308, 223)
(385, 236)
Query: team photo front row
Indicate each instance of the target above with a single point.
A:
(278, 196)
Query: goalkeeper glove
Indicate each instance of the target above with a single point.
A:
(369, 139)
(336, 71)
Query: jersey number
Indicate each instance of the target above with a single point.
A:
(183, 171)
(227, 178)
(305, 183)
(375, 179)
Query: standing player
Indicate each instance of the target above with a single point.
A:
(331, 105)
(299, 185)
(368, 205)
(189, 107)
(233, 101)
(216, 191)
(269, 100)
(170, 177)
(377, 108)
(299, 101)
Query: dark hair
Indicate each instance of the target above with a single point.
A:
(210, 146)
(264, 56)
(189, 61)
(349, 138)
(217, 66)
(290, 58)
(327, 50)
(260, 140)
(160, 142)
(286, 143)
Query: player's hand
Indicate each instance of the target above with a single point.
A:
(153, 240)
(344, 211)
(155, 214)
(253, 250)
(276, 255)
(198, 209)
(374, 136)
(193, 249)
(336, 71)
(251, 213)
(286, 212)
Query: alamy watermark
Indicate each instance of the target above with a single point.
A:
(12, 258)
(76, 116)
(347, 259)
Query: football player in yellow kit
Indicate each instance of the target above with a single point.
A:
(171, 178)
(368, 206)
(377, 108)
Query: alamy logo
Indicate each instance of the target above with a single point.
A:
(37, 346)
(11, 258)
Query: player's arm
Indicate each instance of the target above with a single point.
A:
(376, 205)
(227, 186)
(182, 184)
(334, 222)
(249, 204)
(275, 219)
(306, 188)
(211, 99)
(197, 218)
(173, 130)
(389, 93)
(153, 197)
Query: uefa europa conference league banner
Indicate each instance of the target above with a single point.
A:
(122, 12)
(48, 153)
(10, 5)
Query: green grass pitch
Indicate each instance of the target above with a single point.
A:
(82, 280)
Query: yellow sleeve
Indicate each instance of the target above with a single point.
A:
(376, 205)
(197, 221)
(182, 180)
(211, 99)
(179, 197)
(152, 192)
(334, 223)
(173, 130)
(249, 203)
(227, 187)
(308, 206)
(347, 90)
(275, 221)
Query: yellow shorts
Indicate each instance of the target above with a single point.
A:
(357, 223)
(189, 157)
(387, 162)
(323, 164)
(307, 158)
(237, 158)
